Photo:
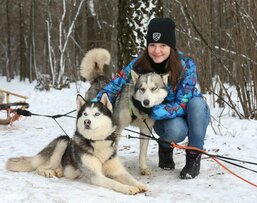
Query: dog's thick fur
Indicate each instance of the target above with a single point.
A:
(92, 152)
(147, 89)
(95, 67)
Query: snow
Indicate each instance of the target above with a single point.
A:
(234, 138)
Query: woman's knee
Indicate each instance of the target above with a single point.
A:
(198, 108)
(172, 130)
(197, 103)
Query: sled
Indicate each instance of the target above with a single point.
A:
(9, 107)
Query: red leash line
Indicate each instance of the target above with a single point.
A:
(174, 145)
(227, 169)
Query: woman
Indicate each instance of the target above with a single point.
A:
(184, 113)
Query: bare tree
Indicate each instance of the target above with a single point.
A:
(57, 60)
(23, 56)
(221, 37)
(8, 55)
(63, 40)
(132, 23)
(46, 40)
(32, 60)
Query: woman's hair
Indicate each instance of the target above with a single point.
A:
(173, 66)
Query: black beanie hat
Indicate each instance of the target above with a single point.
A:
(161, 30)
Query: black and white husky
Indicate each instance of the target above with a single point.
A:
(92, 152)
(147, 90)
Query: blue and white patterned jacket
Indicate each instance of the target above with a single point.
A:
(176, 101)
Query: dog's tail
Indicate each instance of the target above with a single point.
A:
(24, 163)
(50, 157)
(96, 63)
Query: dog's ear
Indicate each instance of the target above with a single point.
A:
(80, 102)
(134, 76)
(165, 78)
(105, 101)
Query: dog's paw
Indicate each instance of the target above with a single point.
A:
(128, 190)
(145, 171)
(49, 173)
(59, 173)
(132, 190)
(142, 187)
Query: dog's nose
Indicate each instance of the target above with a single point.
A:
(87, 122)
(146, 102)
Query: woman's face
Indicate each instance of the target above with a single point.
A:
(158, 52)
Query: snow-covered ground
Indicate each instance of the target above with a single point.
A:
(227, 136)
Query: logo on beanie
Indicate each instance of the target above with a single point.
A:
(156, 36)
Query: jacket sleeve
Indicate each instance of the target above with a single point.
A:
(176, 107)
(114, 87)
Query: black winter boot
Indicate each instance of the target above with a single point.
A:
(192, 167)
(166, 158)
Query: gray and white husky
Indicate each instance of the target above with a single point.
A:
(92, 152)
(147, 90)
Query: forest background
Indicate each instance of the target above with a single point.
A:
(46, 40)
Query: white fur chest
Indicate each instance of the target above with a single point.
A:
(103, 150)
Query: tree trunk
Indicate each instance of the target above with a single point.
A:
(8, 69)
(22, 43)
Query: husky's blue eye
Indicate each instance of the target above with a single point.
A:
(97, 114)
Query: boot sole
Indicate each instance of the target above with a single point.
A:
(167, 168)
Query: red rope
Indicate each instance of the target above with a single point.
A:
(13, 116)
(174, 145)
